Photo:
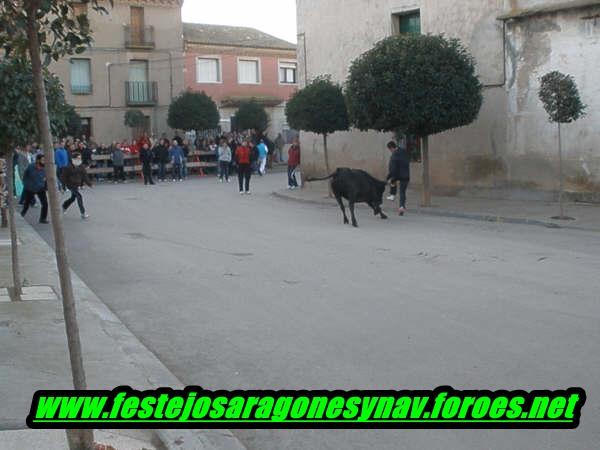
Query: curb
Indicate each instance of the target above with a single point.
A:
(157, 374)
(452, 214)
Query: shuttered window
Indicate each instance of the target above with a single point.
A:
(208, 70)
(248, 71)
(81, 80)
(287, 72)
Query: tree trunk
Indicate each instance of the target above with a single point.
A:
(326, 155)
(78, 439)
(14, 243)
(425, 163)
(560, 175)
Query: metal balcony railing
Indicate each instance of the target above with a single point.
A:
(139, 37)
(141, 93)
(81, 89)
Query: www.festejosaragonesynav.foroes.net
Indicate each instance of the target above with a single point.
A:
(194, 407)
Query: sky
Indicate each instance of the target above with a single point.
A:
(276, 17)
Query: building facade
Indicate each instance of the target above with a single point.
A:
(511, 150)
(135, 62)
(233, 64)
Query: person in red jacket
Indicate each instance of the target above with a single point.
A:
(293, 163)
(243, 158)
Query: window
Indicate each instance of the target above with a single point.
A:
(287, 72)
(248, 71)
(81, 80)
(407, 23)
(208, 70)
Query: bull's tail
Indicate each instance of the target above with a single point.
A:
(309, 179)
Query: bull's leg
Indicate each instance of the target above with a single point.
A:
(341, 203)
(351, 206)
(382, 214)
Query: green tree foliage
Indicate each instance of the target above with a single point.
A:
(17, 106)
(251, 115)
(193, 111)
(60, 32)
(134, 118)
(560, 97)
(420, 84)
(73, 125)
(414, 84)
(319, 108)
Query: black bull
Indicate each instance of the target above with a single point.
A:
(356, 186)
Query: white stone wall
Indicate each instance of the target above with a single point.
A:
(511, 145)
(568, 42)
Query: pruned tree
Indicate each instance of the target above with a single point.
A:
(17, 107)
(44, 31)
(73, 125)
(251, 115)
(319, 108)
(193, 111)
(134, 119)
(560, 97)
(416, 84)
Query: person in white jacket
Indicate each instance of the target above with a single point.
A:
(224, 156)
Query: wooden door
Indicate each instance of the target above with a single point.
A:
(137, 25)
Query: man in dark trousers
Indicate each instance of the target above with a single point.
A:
(74, 177)
(34, 183)
(147, 157)
(399, 173)
(244, 159)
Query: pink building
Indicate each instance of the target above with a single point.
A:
(232, 64)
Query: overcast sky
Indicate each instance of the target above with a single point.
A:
(276, 17)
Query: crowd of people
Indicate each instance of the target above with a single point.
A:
(243, 154)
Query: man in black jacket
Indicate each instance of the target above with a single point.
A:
(147, 157)
(161, 153)
(74, 177)
(399, 174)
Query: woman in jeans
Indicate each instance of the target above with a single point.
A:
(224, 156)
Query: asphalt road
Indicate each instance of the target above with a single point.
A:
(239, 292)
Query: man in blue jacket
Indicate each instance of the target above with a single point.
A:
(176, 156)
(34, 183)
(61, 159)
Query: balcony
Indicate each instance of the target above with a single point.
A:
(81, 89)
(141, 93)
(141, 38)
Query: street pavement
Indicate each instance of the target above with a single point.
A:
(259, 292)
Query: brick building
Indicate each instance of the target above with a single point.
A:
(232, 64)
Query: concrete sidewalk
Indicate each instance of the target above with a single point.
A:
(34, 356)
(587, 216)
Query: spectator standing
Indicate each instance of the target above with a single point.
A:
(224, 158)
(73, 178)
(147, 158)
(162, 155)
(176, 156)
(293, 163)
(34, 184)
(243, 158)
(263, 153)
(399, 174)
(61, 159)
(279, 143)
(118, 161)
(186, 154)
